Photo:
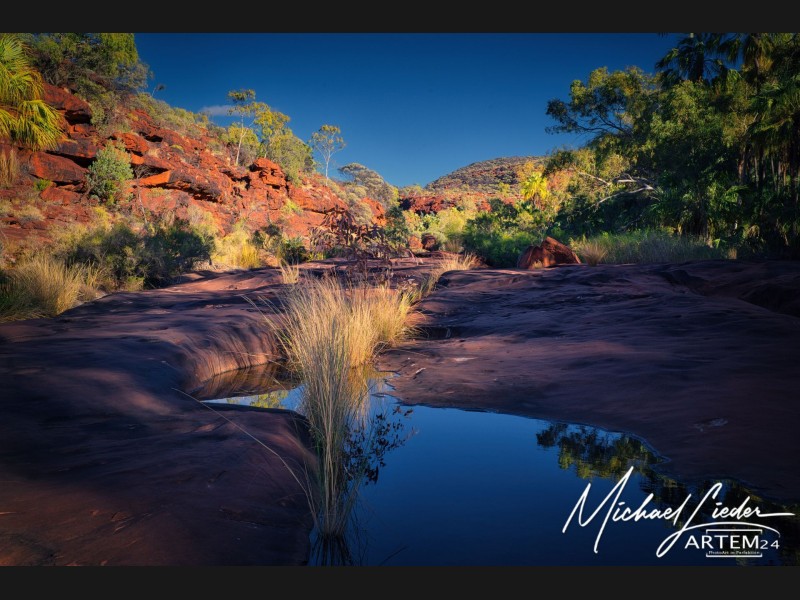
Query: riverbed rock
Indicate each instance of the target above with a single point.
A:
(550, 253)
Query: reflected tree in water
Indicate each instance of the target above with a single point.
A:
(272, 399)
(594, 453)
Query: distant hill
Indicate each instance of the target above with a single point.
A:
(475, 184)
(484, 176)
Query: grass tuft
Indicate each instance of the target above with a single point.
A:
(592, 252)
(329, 332)
(236, 251)
(42, 286)
(290, 273)
(453, 262)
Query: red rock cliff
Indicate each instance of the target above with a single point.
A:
(173, 173)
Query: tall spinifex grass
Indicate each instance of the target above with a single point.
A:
(43, 286)
(335, 403)
(315, 314)
(593, 252)
(364, 318)
(386, 311)
(290, 273)
(454, 262)
(236, 251)
(327, 331)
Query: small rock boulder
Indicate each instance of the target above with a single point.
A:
(550, 253)
(429, 242)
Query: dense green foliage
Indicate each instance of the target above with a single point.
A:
(501, 234)
(99, 67)
(86, 61)
(643, 246)
(705, 152)
(293, 155)
(709, 146)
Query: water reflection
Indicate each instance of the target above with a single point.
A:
(475, 488)
(353, 428)
(594, 452)
(589, 452)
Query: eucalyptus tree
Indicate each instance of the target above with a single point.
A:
(327, 140)
(257, 118)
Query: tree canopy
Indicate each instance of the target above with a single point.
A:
(709, 145)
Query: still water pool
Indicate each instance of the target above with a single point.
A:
(456, 487)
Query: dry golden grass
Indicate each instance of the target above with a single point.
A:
(290, 273)
(236, 251)
(328, 330)
(364, 318)
(593, 253)
(454, 262)
(42, 286)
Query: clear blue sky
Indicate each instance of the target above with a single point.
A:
(412, 107)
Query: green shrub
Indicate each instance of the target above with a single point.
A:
(292, 250)
(41, 185)
(396, 229)
(131, 259)
(111, 170)
(293, 155)
(174, 248)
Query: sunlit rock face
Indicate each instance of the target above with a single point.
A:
(173, 172)
(550, 253)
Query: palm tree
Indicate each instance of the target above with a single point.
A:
(25, 119)
(697, 57)
(775, 132)
(756, 51)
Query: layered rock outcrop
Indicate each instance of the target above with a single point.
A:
(173, 172)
